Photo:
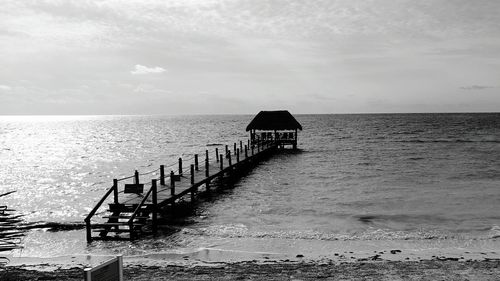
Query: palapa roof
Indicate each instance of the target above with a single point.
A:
(274, 120)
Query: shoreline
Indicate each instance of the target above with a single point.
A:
(346, 263)
(217, 250)
(325, 269)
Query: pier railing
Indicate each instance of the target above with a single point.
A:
(149, 205)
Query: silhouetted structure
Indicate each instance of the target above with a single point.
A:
(134, 208)
(279, 126)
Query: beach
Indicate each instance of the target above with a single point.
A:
(342, 261)
(321, 270)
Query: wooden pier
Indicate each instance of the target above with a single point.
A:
(135, 206)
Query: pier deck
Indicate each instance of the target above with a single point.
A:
(134, 207)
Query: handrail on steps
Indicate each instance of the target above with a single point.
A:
(130, 222)
(98, 205)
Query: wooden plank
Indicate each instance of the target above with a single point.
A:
(111, 270)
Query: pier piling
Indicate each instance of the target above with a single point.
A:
(136, 177)
(162, 174)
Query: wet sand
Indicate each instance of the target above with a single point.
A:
(352, 260)
(435, 269)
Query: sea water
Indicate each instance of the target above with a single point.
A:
(367, 178)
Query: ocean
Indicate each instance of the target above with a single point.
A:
(430, 180)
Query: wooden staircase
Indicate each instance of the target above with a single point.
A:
(125, 220)
(119, 222)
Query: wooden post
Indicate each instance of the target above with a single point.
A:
(89, 231)
(237, 155)
(196, 162)
(246, 151)
(234, 149)
(115, 191)
(155, 206)
(295, 142)
(172, 183)
(221, 177)
(192, 183)
(192, 174)
(207, 173)
(180, 166)
(229, 158)
(136, 177)
(131, 230)
(217, 154)
(162, 174)
(248, 142)
(206, 154)
(241, 145)
(227, 149)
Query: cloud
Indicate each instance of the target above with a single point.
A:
(5, 88)
(476, 87)
(141, 69)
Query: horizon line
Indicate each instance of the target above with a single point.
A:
(228, 114)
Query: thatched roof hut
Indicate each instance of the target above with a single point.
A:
(279, 126)
(274, 120)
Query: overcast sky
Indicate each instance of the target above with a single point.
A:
(242, 56)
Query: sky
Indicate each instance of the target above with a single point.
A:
(243, 56)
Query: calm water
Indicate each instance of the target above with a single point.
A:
(356, 177)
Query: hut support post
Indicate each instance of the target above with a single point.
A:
(217, 154)
(295, 141)
(180, 166)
